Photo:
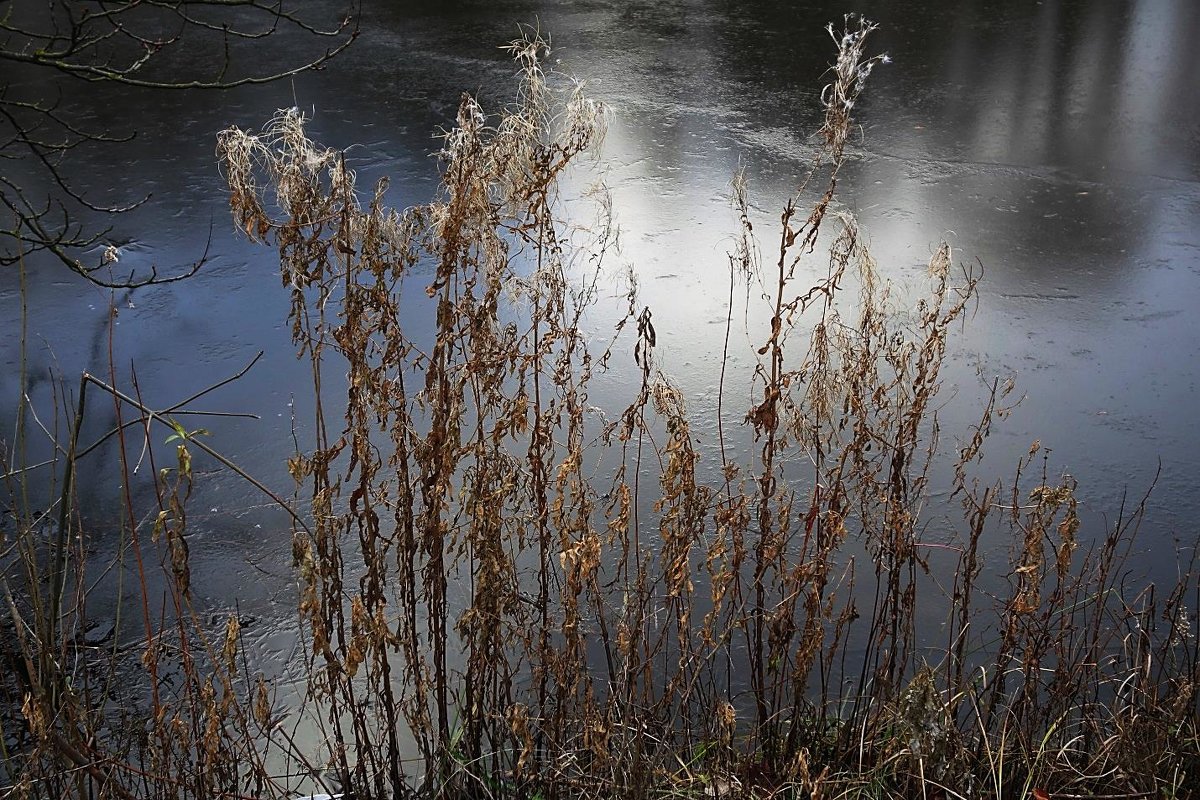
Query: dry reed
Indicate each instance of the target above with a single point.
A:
(505, 593)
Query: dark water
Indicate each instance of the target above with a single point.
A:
(1057, 143)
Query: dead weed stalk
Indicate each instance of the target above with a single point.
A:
(505, 591)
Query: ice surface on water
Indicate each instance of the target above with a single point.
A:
(1055, 144)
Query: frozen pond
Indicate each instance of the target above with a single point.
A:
(1057, 144)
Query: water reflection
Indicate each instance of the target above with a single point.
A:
(1057, 143)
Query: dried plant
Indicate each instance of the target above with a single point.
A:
(469, 583)
(507, 591)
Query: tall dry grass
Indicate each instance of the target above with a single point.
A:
(505, 591)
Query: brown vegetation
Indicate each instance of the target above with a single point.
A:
(504, 592)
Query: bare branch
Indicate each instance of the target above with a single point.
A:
(126, 43)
